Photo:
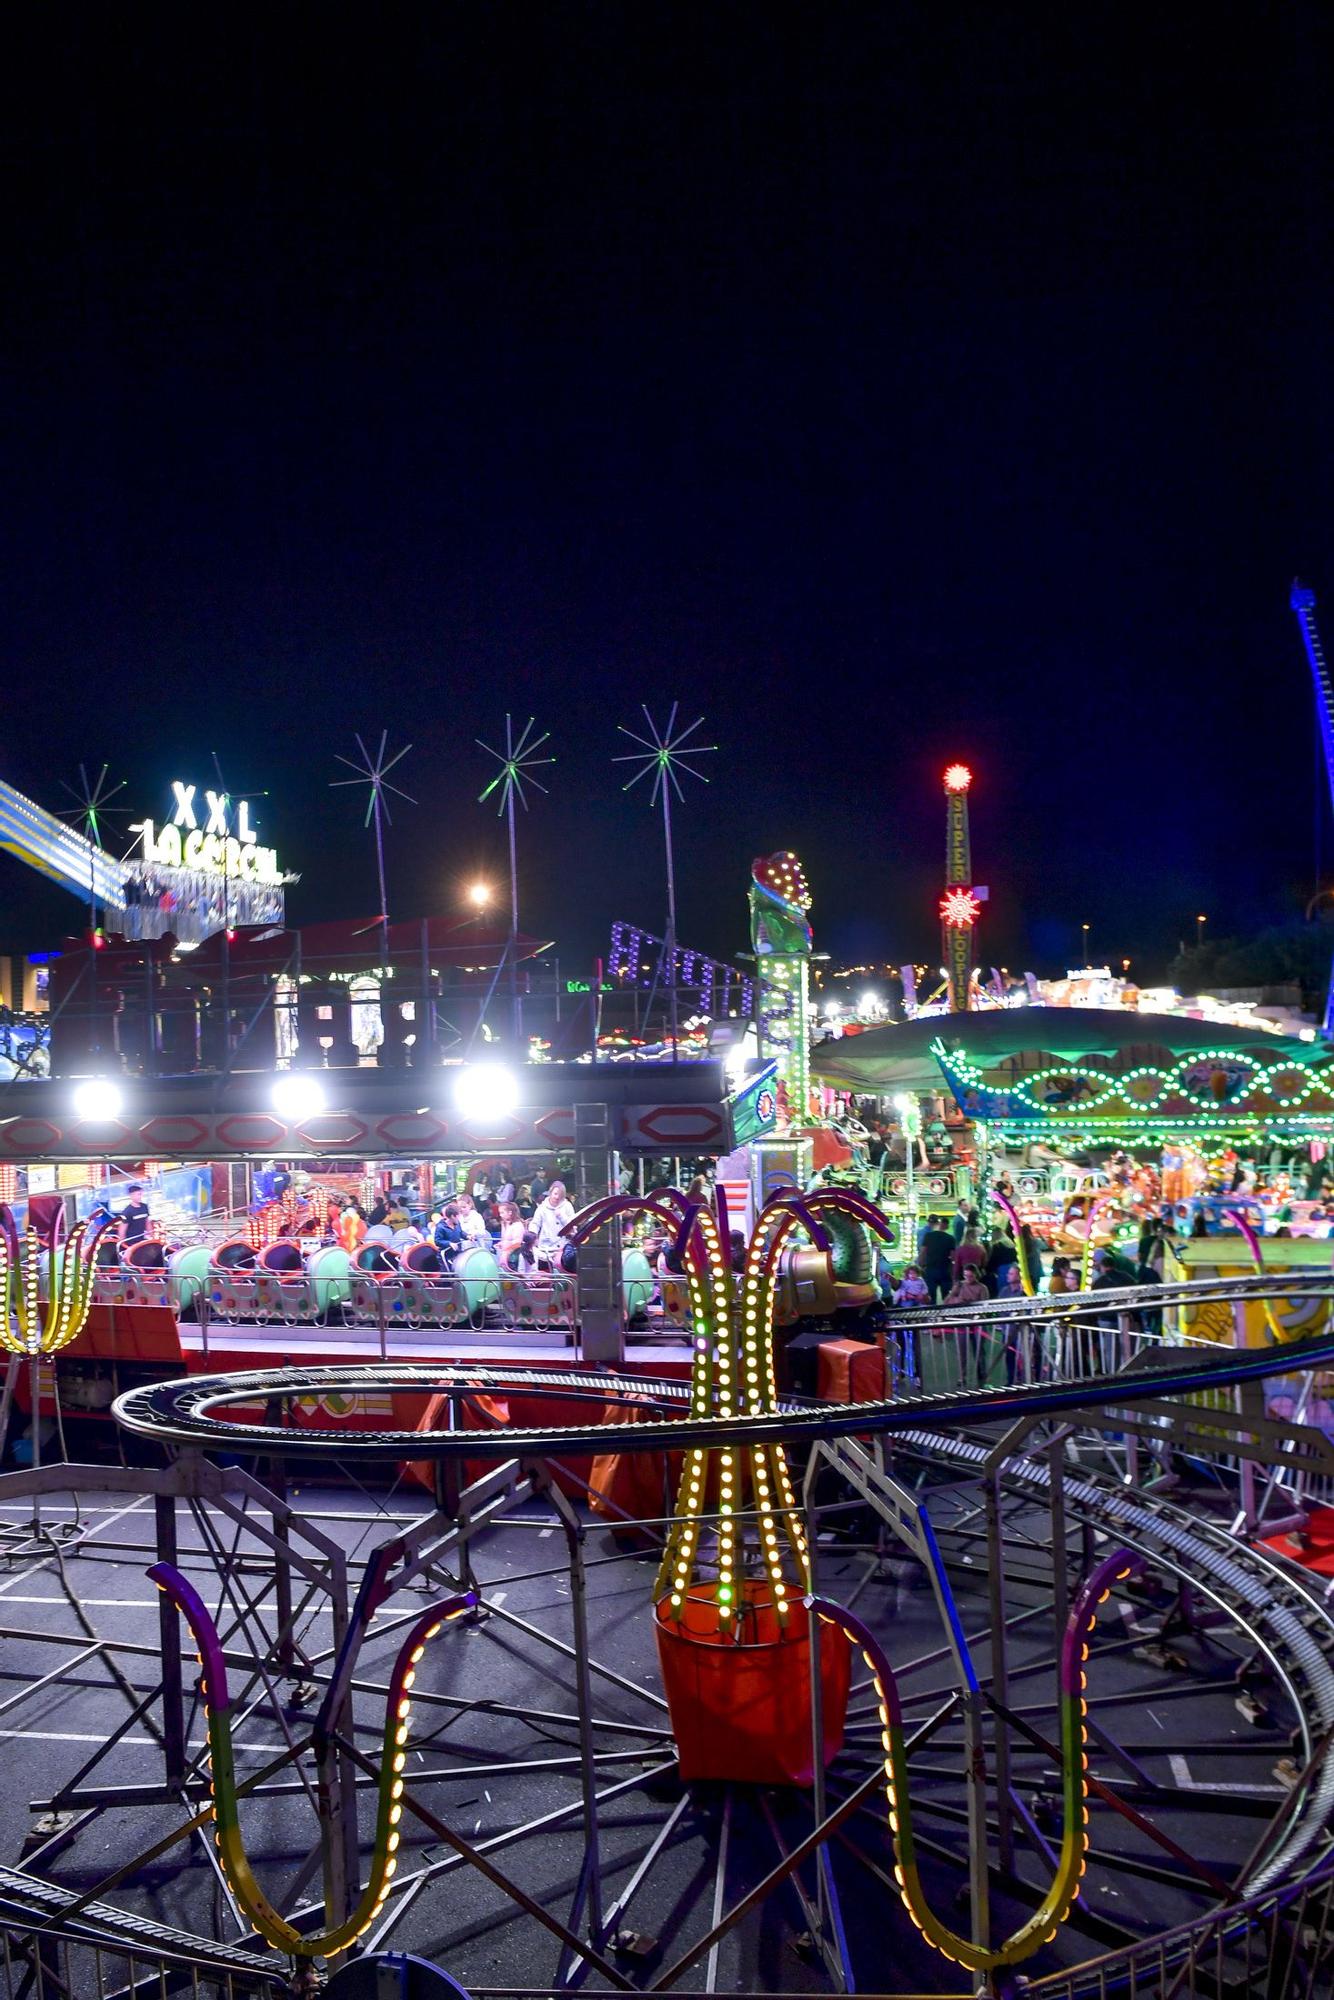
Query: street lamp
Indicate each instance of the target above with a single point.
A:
(1200, 923)
(1085, 930)
(479, 895)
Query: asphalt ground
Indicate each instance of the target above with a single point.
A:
(509, 1763)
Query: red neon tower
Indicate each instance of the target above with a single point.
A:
(959, 907)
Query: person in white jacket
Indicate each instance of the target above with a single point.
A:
(549, 1218)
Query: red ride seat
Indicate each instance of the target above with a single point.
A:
(423, 1257)
(145, 1255)
(281, 1256)
(235, 1255)
(376, 1258)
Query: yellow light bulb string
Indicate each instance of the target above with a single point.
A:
(1055, 1905)
(232, 1855)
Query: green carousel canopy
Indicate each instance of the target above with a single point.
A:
(1077, 1067)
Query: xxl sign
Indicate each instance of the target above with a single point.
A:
(200, 836)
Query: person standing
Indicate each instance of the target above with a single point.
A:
(962, 1217)
(1001, 1253)
(969, 1291)
(911, 1289)
(552, 1214)
(935, 1254)
(134, 1217)
(1062, 1277)
(1030, 1257)
(969, 1254)
(1012, 1333)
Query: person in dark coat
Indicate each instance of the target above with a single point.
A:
(936, 1254)
(1000, 1252)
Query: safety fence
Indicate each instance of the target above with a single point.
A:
(1279, 1945)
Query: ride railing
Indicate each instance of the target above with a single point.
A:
(1016, 1353)
(1044, 1339)
(1279, 1945)
(41, 1966)
(122, 1285)
(420, 1301)
(538, 1301)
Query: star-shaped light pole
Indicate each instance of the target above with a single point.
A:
(92, 806)
(374, 771)
(666, 752)
(517, 762)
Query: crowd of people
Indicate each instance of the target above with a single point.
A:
(521, 1223)
(960, 1264)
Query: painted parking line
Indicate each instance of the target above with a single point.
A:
(137, 1742)
(1181, 1772)
(22, 1576)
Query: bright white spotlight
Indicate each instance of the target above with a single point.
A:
(485, 1092)
(98, 1100)
(296, 1097)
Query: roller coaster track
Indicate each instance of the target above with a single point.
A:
(1274, 1603)
(189, 1412)
(1278, 1605)
(29, 1904)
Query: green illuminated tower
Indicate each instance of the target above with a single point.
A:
(959, 907)
(781, 934)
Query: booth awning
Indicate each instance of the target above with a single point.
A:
(898, 1056)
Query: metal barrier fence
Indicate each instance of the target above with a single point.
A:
(1280, 1945)
(401, 1299)
(40, 1966)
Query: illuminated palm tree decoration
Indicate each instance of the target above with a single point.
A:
(666, 753)
(30, 1325)
(732, 1374)
(517, 762)
(91, 810)
(374, 771)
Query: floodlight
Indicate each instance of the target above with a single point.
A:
(98, 1100)
(485, 1092)
(296, 1097)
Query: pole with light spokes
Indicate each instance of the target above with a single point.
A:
(517, 762)
(93, 807)
(666, 752)
(373, 770)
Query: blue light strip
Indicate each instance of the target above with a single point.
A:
(46, 843)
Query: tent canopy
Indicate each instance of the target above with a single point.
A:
(898, 1056)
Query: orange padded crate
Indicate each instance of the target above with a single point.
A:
(850, 1371)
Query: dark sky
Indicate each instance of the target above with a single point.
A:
(889, 384)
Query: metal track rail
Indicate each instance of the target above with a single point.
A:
(1281, 1609)
(193, 1412)
(27, 1903)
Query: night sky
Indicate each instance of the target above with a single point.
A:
(888, 384)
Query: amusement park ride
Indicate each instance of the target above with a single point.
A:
(1303, 604)
(935, 1682)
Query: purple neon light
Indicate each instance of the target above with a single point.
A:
(853, 1201)
(195, 1612)
(862, 1635)
(1252, 1240)
(1121, 1563)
